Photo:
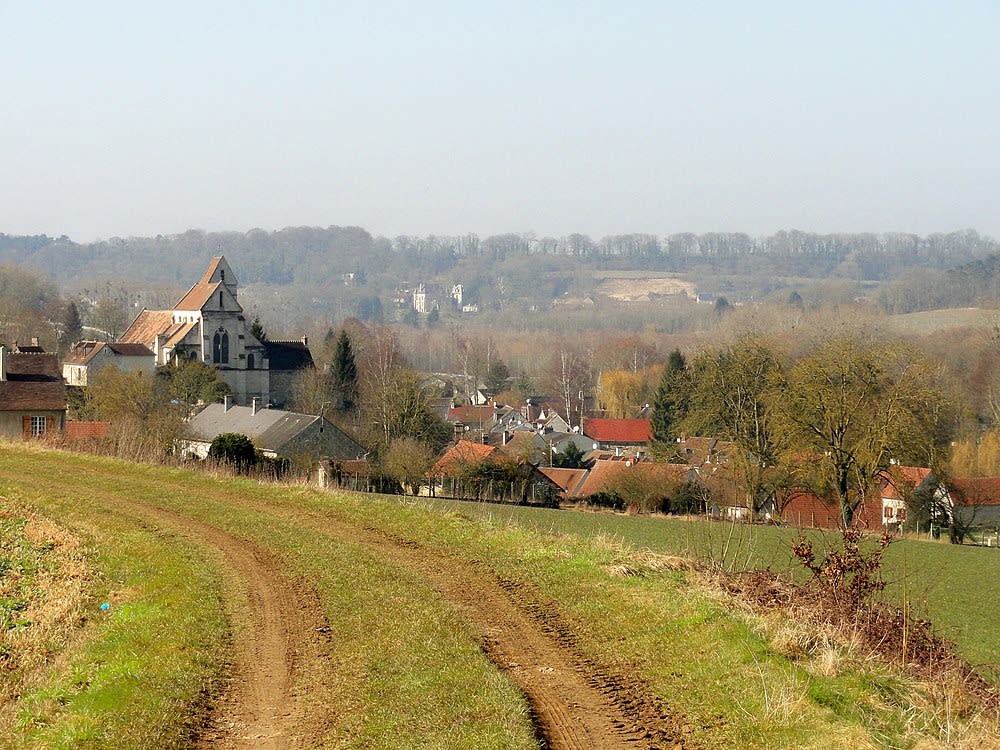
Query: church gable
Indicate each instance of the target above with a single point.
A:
(219, 272)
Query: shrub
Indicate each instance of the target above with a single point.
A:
(235, 449)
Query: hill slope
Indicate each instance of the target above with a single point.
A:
(357, 621)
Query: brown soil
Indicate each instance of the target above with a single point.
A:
(274, 698)
(279, 650)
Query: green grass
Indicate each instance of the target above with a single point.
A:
(406, 669)
(126, 677)
(952, 586)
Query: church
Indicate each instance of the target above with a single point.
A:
(208, 324)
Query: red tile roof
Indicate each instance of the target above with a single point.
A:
(198, 295)
(464, 452)
(147, 326)
(603, 474)
(618, 430)
(976, 491)
(568, 480)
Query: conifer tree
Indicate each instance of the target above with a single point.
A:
(72, 330)
(344, 371)
(670, 403)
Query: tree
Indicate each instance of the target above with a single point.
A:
(257, 330)
(731, 394)
(619, 392)
(394, 402)
(72, 327)
(570, 458)
(401, 408)
(670, 404)
(569, 378)
(235, 449)
(344, 373)
(853, 407)
(191, 382)
(407, 461)
(108, 316)
(143, 420)
(497, 375)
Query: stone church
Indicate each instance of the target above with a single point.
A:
(208, 324)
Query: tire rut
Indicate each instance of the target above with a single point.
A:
(268, 697)
(575, 704)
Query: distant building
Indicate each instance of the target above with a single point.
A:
(420, 299)
(32, 395)
(87, 357)
(208, 325)
(274, 432)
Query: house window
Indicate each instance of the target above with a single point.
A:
(220, 348)
(37, 426)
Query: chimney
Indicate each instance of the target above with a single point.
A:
(227, 402)
(253, 406)
(34, 340)
(305, 341)
(3, 363)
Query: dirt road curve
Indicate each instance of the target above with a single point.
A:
(273, 700)
(278, 644)
(575, 705)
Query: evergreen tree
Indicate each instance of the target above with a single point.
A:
(257, 330)
(670, 403)
(571, 458)
(344, 372)
(72, 329)
(497, 375)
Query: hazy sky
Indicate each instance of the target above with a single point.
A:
(451, 117)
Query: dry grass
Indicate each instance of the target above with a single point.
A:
(47, 575)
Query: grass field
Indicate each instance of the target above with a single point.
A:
(406, 669)
(953, 586)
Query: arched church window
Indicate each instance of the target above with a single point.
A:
(249, 361)
(220, 347)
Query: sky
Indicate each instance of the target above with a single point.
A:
(452, 117)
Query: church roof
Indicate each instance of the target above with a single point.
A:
(217, 261)
(147, 326)
(197, 296)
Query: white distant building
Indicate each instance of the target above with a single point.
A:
(87, 357)
(420, 299)
(457, 293)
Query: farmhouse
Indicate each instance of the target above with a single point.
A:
(88, 357)
(32, 395)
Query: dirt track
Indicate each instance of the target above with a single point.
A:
(278, 644)
(274, 700)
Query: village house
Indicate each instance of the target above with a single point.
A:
(32, 395)
(86, 358)
(208, 324)
(619, 434)
(305, 438)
